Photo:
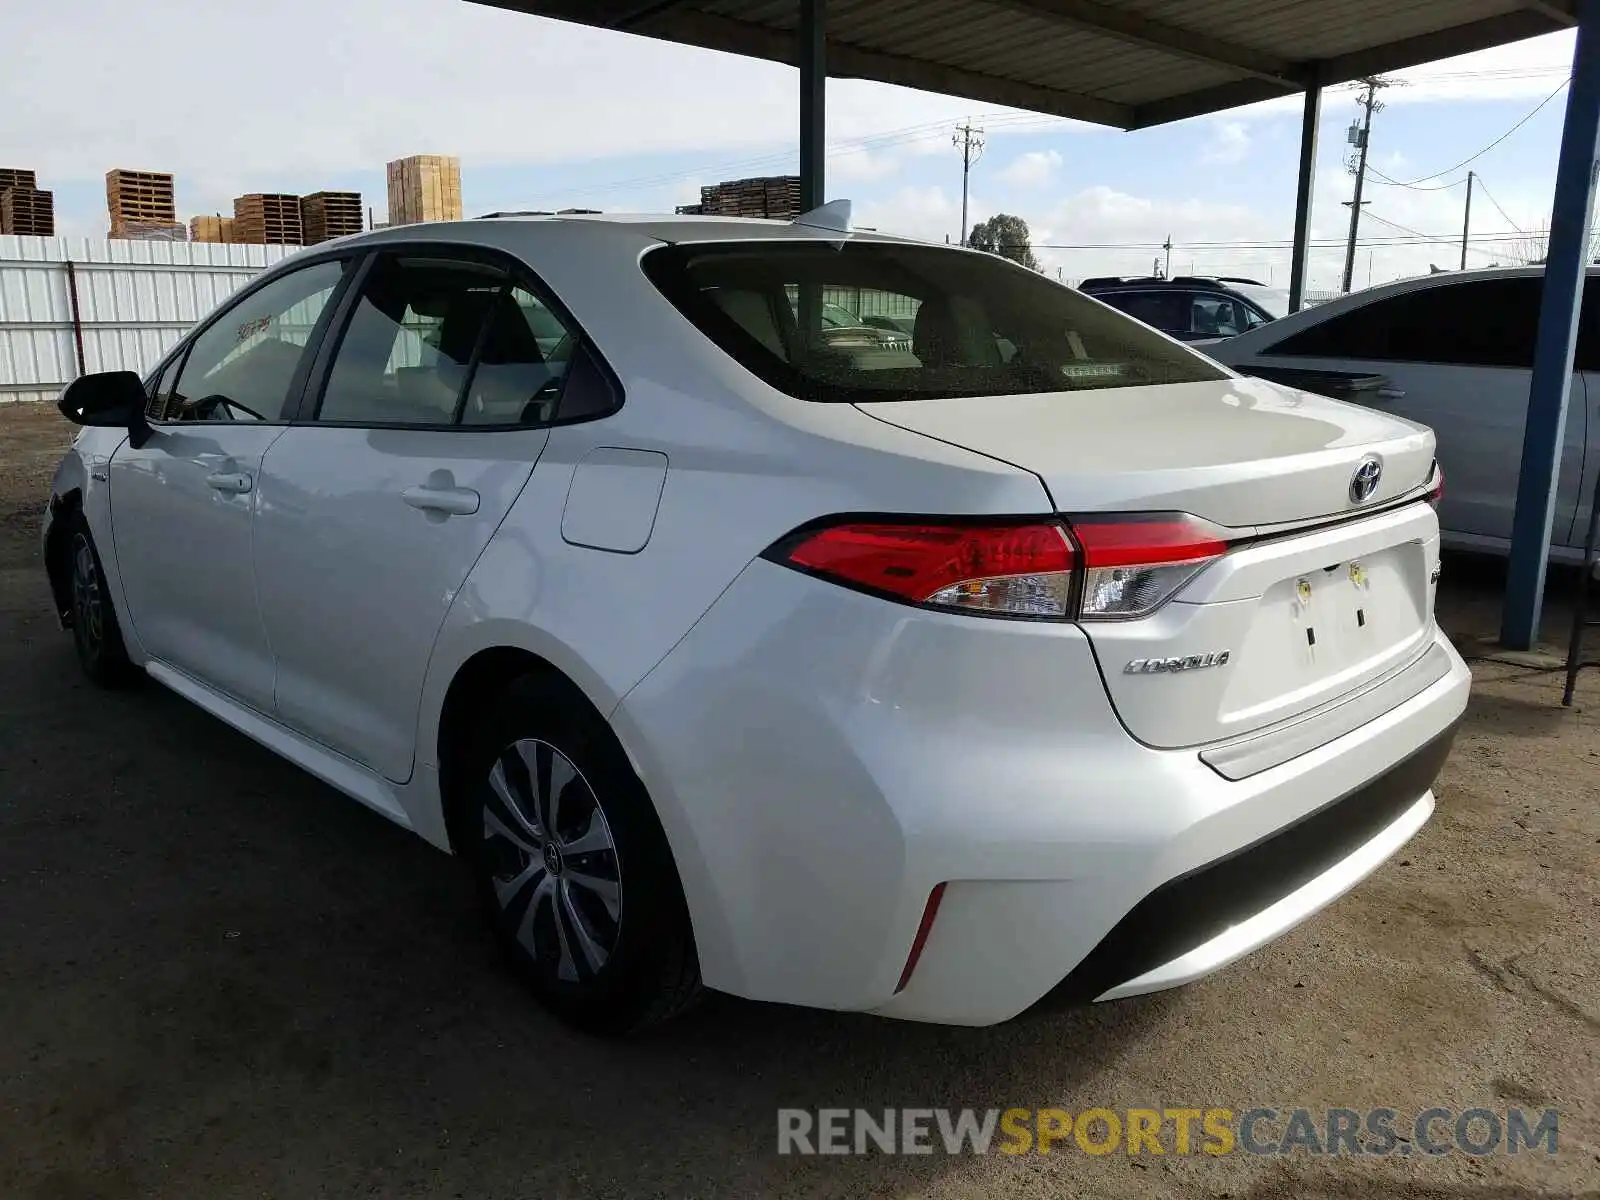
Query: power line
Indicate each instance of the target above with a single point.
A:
(1011, 122)
(1385, 181)
(1450, 241)
(1491, 145)
(1482, 187)
(1412, 238)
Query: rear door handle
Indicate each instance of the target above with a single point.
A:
(1387, 393)
(232, 482)
(454, 502)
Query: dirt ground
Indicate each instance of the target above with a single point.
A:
(218, 978)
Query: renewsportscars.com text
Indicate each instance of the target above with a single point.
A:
(1181, 1131)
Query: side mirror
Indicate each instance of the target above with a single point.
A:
(113, 399)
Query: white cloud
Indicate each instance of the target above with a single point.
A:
(1033, 169)
(920, 212)
(1529, 69)
(860, 165)
(220, 90)
(232, 103)
(1230, 143)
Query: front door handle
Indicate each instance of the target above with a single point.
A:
(233, 482)
(451, 501)
(1388, 392)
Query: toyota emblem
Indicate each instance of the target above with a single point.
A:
(1365, 481)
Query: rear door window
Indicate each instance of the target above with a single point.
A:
(1166, 311)
(435, 342)
(979, 325)
(1479, 322)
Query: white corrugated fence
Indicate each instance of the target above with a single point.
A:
(134, 300)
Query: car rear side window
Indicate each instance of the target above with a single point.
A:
(1167, 311)
(405, 352)
(439, 341)
(978, 325)
(1479, 322)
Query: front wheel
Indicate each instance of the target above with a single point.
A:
(95, 631)
(572, 866)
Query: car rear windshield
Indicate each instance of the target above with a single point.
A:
(925, 322)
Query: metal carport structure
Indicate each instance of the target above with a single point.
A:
(1137, 63)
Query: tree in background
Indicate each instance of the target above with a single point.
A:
(1006, 236)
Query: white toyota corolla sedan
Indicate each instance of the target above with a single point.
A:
(1041, 654)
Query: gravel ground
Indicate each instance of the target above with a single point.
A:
(220, 979)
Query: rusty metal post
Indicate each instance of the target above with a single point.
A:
(77, 318)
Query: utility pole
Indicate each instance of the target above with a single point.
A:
(970, 140)
(1167, 246)
(1359, 138)
(1466, 222)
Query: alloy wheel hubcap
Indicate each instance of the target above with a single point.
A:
(87, 605)
(552, 859)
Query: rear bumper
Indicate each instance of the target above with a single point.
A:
(1207, 918)
(821, 760)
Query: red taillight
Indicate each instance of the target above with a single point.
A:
(1134, 565)
(924, 928)
(1436, 492)
(1143, 542)
(1127, 565)
(1022, 570)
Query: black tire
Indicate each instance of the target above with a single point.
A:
(95, 631)
(610, 970)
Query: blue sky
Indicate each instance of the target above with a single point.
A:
(550, 115)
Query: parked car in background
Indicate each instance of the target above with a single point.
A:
(1044, 654)
(1192, 307)
(1453, 350)
(840, 327)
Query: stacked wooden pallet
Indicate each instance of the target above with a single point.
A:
(325, 215)
(774, 196)
(424, 187)
(267, 218)
(27, 211)
(139, 202)
(24, 209)
(211, 228)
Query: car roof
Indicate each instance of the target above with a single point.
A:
(1418, 283)
(1185, 282)
(661, 227)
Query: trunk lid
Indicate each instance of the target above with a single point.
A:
(1240, 452)
(1287, 620)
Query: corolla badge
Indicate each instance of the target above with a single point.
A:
(1189, 662)
(1365, 481)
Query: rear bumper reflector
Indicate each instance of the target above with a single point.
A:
(923, 929)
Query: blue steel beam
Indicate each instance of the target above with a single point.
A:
(813, 102)
(1559, 306)
(1309, 122)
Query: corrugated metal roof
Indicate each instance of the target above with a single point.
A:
(1128, 63)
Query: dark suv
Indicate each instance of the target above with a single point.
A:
(1192, 307)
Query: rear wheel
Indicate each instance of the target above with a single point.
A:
(95, 631)
(572, 866)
